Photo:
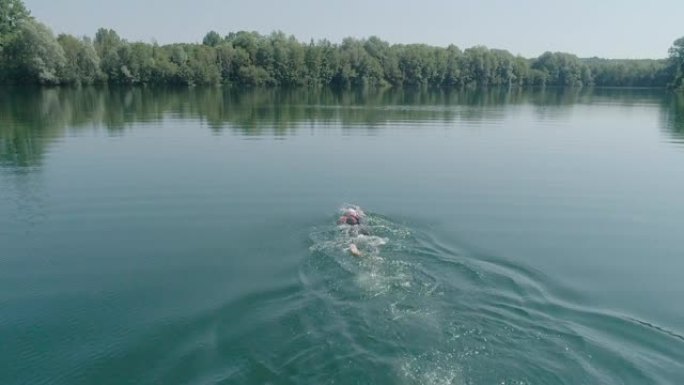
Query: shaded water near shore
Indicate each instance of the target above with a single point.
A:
(188, 237)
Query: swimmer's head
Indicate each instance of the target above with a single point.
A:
(352, 220)
(348, 219)
(351, 215)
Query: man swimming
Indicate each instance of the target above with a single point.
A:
(353, 217)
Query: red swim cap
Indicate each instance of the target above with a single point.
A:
(348, 219)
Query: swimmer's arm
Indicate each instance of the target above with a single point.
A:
(354, 250)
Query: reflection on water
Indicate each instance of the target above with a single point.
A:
(674, 117)
(30, 119)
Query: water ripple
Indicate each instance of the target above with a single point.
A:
(440, 315)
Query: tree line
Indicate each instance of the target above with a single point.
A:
(31, 54)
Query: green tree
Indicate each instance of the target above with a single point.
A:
(204, 68)
(164, 70)
(34, 56)
(287, 62)
(82, 65)
(414, 64)
(107, 44)
(452, 70)
(12, 12)
(137, 63)
(106, 41)
(212, 39)
(328, 59)
(563, 69)
(29, 53)
(677, 63)
(225, 55)
(248, 41)
(479, 67)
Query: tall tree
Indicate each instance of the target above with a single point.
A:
(12, 12)
(107, 44)
(212, 39)
(677, 63)
(82, 63)
(563, 69)
(35, 55)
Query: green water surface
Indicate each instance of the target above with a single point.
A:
(166, 236)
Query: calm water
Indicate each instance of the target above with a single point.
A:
(189, 237)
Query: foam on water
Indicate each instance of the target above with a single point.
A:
(431, 369)
(382, 267)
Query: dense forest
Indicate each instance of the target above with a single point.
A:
(31, 54)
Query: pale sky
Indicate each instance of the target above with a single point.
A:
(608, 28)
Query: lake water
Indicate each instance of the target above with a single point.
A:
(188, 237)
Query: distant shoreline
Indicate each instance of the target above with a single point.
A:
(30, 54)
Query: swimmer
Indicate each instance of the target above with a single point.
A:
(353, 217)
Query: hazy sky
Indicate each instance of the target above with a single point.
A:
(606, 28)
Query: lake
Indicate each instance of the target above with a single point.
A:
(188, 236)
